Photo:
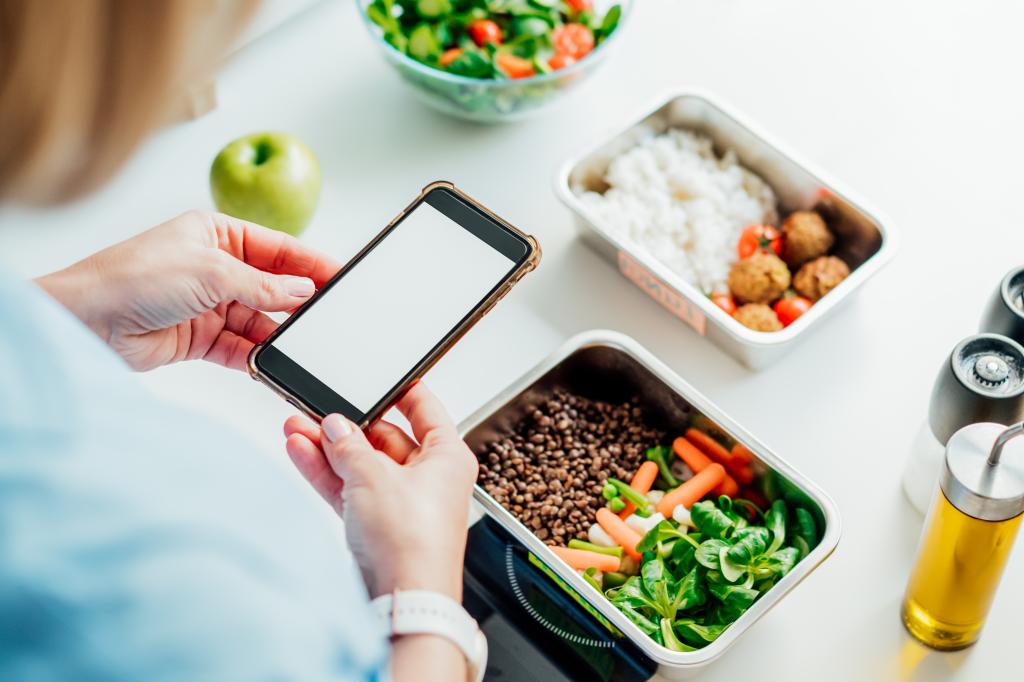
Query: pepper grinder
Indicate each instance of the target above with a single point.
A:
(981, 381)
(968, 536)
(1004, 313)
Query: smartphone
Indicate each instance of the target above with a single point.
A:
(393, 310)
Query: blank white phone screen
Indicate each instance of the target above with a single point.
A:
(372, 327)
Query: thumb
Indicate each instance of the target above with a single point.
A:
(348, 451)
(234, 280)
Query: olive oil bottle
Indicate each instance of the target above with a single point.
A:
(967, 538)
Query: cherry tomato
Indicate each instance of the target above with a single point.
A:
(513, 66)
(758, 238)
(789, 308)
(560, 61)
(484, 31)
(580, 5)
(573, 40)
(724, 301)
(449, 56)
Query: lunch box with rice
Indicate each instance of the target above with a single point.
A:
(611, 367)
(863, 241)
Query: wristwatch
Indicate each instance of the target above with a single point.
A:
(421, 612)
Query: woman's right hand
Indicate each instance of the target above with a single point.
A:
(405, 502)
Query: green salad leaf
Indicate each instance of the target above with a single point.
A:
(709, 553)
(669, 639)
(692, 631)
(473, 64)
(775, 521)
(805, 527)
(609, 23)
(664, 532)
(711, 520)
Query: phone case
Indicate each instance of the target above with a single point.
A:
(424, 365)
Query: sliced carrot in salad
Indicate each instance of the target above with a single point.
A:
(449, 56)
(709, 446)
(625, 536)
(691, 491)
(642, 481)
(581, 559)
(698, 461)
(513, 66)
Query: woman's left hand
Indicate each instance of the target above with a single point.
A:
(190, 288)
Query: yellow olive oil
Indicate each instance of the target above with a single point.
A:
(958, 567)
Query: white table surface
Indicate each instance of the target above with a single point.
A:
(915, 106)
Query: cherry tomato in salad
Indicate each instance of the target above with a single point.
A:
(513, 66)
(449, 56)
(574, 40)
(758, 238)
(724, 301)
(789, 308)
(560, 61)
(484, 31)
(580, 5)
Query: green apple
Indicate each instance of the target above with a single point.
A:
(268, 178)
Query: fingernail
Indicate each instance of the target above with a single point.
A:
(299, 286)
(335, 426)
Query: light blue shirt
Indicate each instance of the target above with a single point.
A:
(136, 540)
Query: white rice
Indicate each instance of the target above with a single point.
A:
(672, 196)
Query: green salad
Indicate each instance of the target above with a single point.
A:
(692, 585)
(494, 39)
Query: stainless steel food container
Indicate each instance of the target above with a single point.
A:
(865, 241)
(611, 366)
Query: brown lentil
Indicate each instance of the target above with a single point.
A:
(550, 470)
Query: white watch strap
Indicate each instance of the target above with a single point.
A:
(418, 612)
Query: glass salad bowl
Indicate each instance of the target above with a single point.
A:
(490, 99)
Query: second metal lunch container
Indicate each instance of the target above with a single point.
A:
(863, 239)
(610, 366)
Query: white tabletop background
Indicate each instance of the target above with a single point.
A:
(915, 106)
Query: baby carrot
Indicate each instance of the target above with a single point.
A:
(619, 531)
(698, 461)
(691, 491)
(728, 486)
(581, 559)
(709, 446)
(739, 464)
(743, 475)
(688, 452)
(642, 481)
(741, 454)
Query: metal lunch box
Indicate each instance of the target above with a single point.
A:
(863, 240)
(611, 366)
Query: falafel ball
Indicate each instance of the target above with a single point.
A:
(759, 317)
(805, 236)
(759, 279)
(820, 276)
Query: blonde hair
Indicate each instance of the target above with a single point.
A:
(83, 81)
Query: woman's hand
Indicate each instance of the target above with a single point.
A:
(406, 506)
(405, 502)
(190, 288)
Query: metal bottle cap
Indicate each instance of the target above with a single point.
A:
(984, 474)
(983, 381)
(1005, 311)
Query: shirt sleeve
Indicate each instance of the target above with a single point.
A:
(139, 541)
(145, 598)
